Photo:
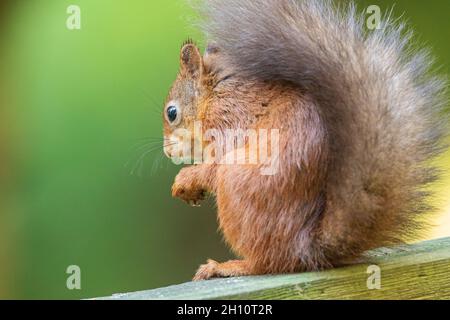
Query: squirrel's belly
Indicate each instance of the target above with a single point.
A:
(262, 226)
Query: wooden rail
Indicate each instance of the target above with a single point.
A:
(417, 271)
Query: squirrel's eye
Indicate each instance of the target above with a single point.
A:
(172, 113)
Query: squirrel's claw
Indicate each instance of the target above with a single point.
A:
(194, 203)
(214, 269)
(207, 271)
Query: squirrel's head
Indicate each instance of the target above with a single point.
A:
(191, 95)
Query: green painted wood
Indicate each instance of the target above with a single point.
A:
(416, 271)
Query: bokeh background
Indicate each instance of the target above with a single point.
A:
(77, 108)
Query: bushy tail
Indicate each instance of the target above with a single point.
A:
(381, 105)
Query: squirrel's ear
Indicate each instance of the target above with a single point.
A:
(191, 60)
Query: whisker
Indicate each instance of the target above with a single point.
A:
(152, 138)
(148, 144)
(156, 112)
(157, 163)
(150, 98)
(145, 141)
(140, 161)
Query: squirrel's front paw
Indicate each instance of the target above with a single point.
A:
(185, 188)
(190, 195)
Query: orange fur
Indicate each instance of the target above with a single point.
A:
(261, 223)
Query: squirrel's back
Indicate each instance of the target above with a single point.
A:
(381, 107)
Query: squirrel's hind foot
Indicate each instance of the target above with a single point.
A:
(214, 269)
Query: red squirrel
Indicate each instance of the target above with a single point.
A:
(359, 118)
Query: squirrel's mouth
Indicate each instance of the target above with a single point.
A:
(183, 149)
(169, 143)
(178, 148)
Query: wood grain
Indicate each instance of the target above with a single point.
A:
(417, 271)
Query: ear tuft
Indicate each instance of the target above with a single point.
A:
(188, 41)
(191, 60)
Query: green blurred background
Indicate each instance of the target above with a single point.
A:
(75, 106)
